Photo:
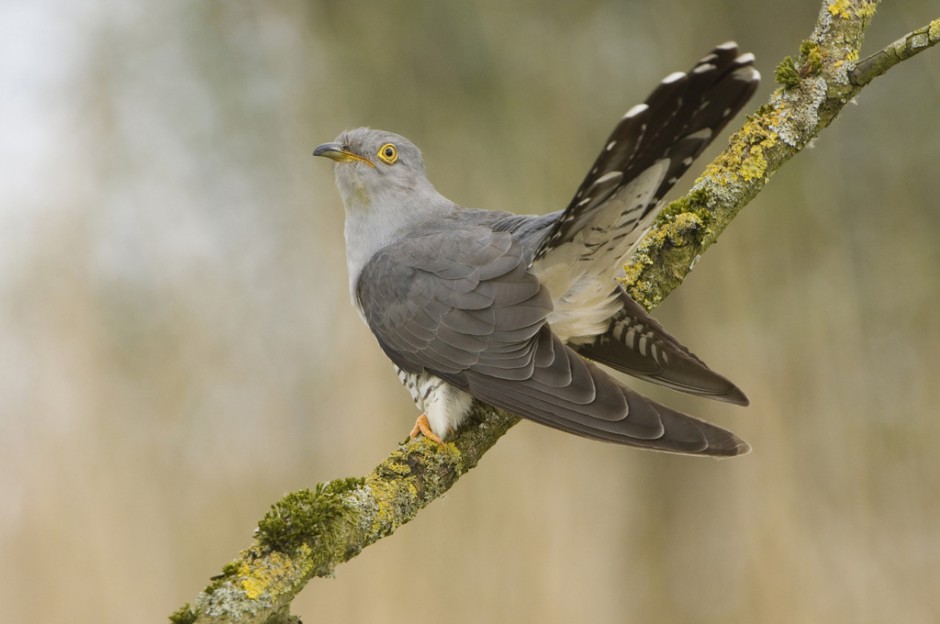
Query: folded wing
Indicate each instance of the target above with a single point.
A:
(462, 305)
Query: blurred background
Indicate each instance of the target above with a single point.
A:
(177, 348)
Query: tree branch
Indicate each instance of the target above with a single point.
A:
(308, 533)
(904, 48)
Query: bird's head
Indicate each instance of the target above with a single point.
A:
(374, 165)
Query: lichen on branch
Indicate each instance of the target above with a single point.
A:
(308, 533)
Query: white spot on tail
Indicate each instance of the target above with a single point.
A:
(636, 110)
(613, 175)
(703, 134)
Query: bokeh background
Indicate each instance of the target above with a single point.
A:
(177, 348)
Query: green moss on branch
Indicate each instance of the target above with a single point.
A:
(308, 533)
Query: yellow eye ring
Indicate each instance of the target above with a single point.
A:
(388, 154)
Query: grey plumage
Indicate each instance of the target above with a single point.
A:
(505, 308)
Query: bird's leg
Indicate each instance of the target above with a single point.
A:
(423, 427)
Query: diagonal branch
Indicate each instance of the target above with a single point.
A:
(904, 48)
(308, 533)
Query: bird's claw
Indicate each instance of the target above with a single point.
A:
(423, 427)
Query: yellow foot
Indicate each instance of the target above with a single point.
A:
(423, 427)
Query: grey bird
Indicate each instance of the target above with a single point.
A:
(514, 310)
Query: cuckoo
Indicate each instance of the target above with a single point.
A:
(518, 311)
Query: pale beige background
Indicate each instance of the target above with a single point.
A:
(177, 349)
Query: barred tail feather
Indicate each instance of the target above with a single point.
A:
(636, 344)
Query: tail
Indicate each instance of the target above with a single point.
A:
(649, 150)
(651, 147)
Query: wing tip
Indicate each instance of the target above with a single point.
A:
(731, 446)
(733, 395)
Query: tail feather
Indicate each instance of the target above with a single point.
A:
(636, 344)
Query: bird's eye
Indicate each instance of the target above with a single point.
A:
(388, 153)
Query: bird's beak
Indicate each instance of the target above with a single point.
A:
(335, 151)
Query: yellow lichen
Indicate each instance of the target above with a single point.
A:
(755, 165)
(867, 10)
(252, 587)
(840, 8)
(847, 9)
(745, 158)
(390, 495)
(684, 223)
(257, 580)
(679, 230)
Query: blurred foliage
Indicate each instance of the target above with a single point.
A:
(177, 349)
